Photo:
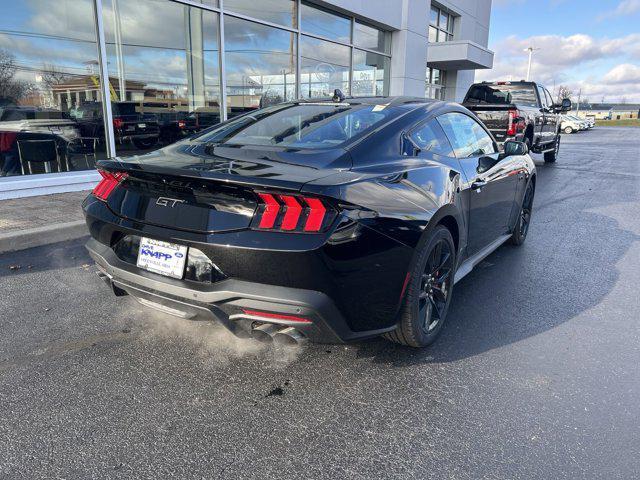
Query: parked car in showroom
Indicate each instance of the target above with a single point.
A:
(129, 125)
(523, 111)
(333, 220)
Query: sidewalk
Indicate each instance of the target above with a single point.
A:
(34, 221)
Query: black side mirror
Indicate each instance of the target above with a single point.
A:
(565, 106)
(511, 147)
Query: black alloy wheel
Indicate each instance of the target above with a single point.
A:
(521, 228)
(428, 295)
(434, 286)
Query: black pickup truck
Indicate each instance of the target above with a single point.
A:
(142, 129)
(522, 111)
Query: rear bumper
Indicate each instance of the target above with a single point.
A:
(226, 301)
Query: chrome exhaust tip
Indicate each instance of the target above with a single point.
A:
(264, 333)
(289, 336)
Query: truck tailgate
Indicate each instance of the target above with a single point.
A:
(496, 119)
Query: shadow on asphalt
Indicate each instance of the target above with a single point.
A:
(514, 294)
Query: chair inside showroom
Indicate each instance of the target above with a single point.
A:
(84, 147)
(38, 152)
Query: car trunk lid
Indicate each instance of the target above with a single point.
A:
(207, 189)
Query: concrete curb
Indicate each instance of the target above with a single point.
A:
(36, 237)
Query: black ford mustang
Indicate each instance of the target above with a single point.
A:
(328, 220)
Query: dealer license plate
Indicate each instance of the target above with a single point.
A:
(162, 257)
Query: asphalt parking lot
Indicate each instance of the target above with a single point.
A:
(536, 375)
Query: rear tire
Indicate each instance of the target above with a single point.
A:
(521, 227)
(568, 130)
(428, 293)
(552, 156)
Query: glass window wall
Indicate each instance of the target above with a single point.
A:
(163, 61)
(370, 74)
(440, 25)
(48, 70)
(323, 23)
(324, 67)
(371, 38)
(436, 83)
(260, 65)
(282, 12)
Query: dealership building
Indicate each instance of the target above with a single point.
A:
(84, 80)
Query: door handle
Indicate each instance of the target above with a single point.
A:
(478, 184)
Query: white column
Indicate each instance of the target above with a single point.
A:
(409, 49)
(194, 56)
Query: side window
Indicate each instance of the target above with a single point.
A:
(543, 100)
(550, 101)
(467, 136)
(430, 137)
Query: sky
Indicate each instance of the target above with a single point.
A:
(591, 46)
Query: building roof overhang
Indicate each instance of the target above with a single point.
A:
(459, 55)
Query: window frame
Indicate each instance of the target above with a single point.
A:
(449, 31)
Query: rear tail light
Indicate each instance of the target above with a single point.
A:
(117, 122)
(516, 123)
(109, 182)
(182, 124)
(292, 213)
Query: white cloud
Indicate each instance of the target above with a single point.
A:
(570, 60)
(625, 73)
(625, 7)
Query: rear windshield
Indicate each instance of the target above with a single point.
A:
(304, 125)
(523, 94)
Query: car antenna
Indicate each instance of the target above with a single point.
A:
(338, 96)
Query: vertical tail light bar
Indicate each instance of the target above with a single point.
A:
(292, 213)
(108, 183)
(511, 128)
(268, 219)
(316, 215)
(516, 123)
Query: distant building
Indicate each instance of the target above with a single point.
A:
(608, 111)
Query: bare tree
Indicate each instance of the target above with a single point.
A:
(623, 100)
(11, 90)
(564, 92)
(7, 66)
(52, 76)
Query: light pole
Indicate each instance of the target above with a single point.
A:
(530, 50)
